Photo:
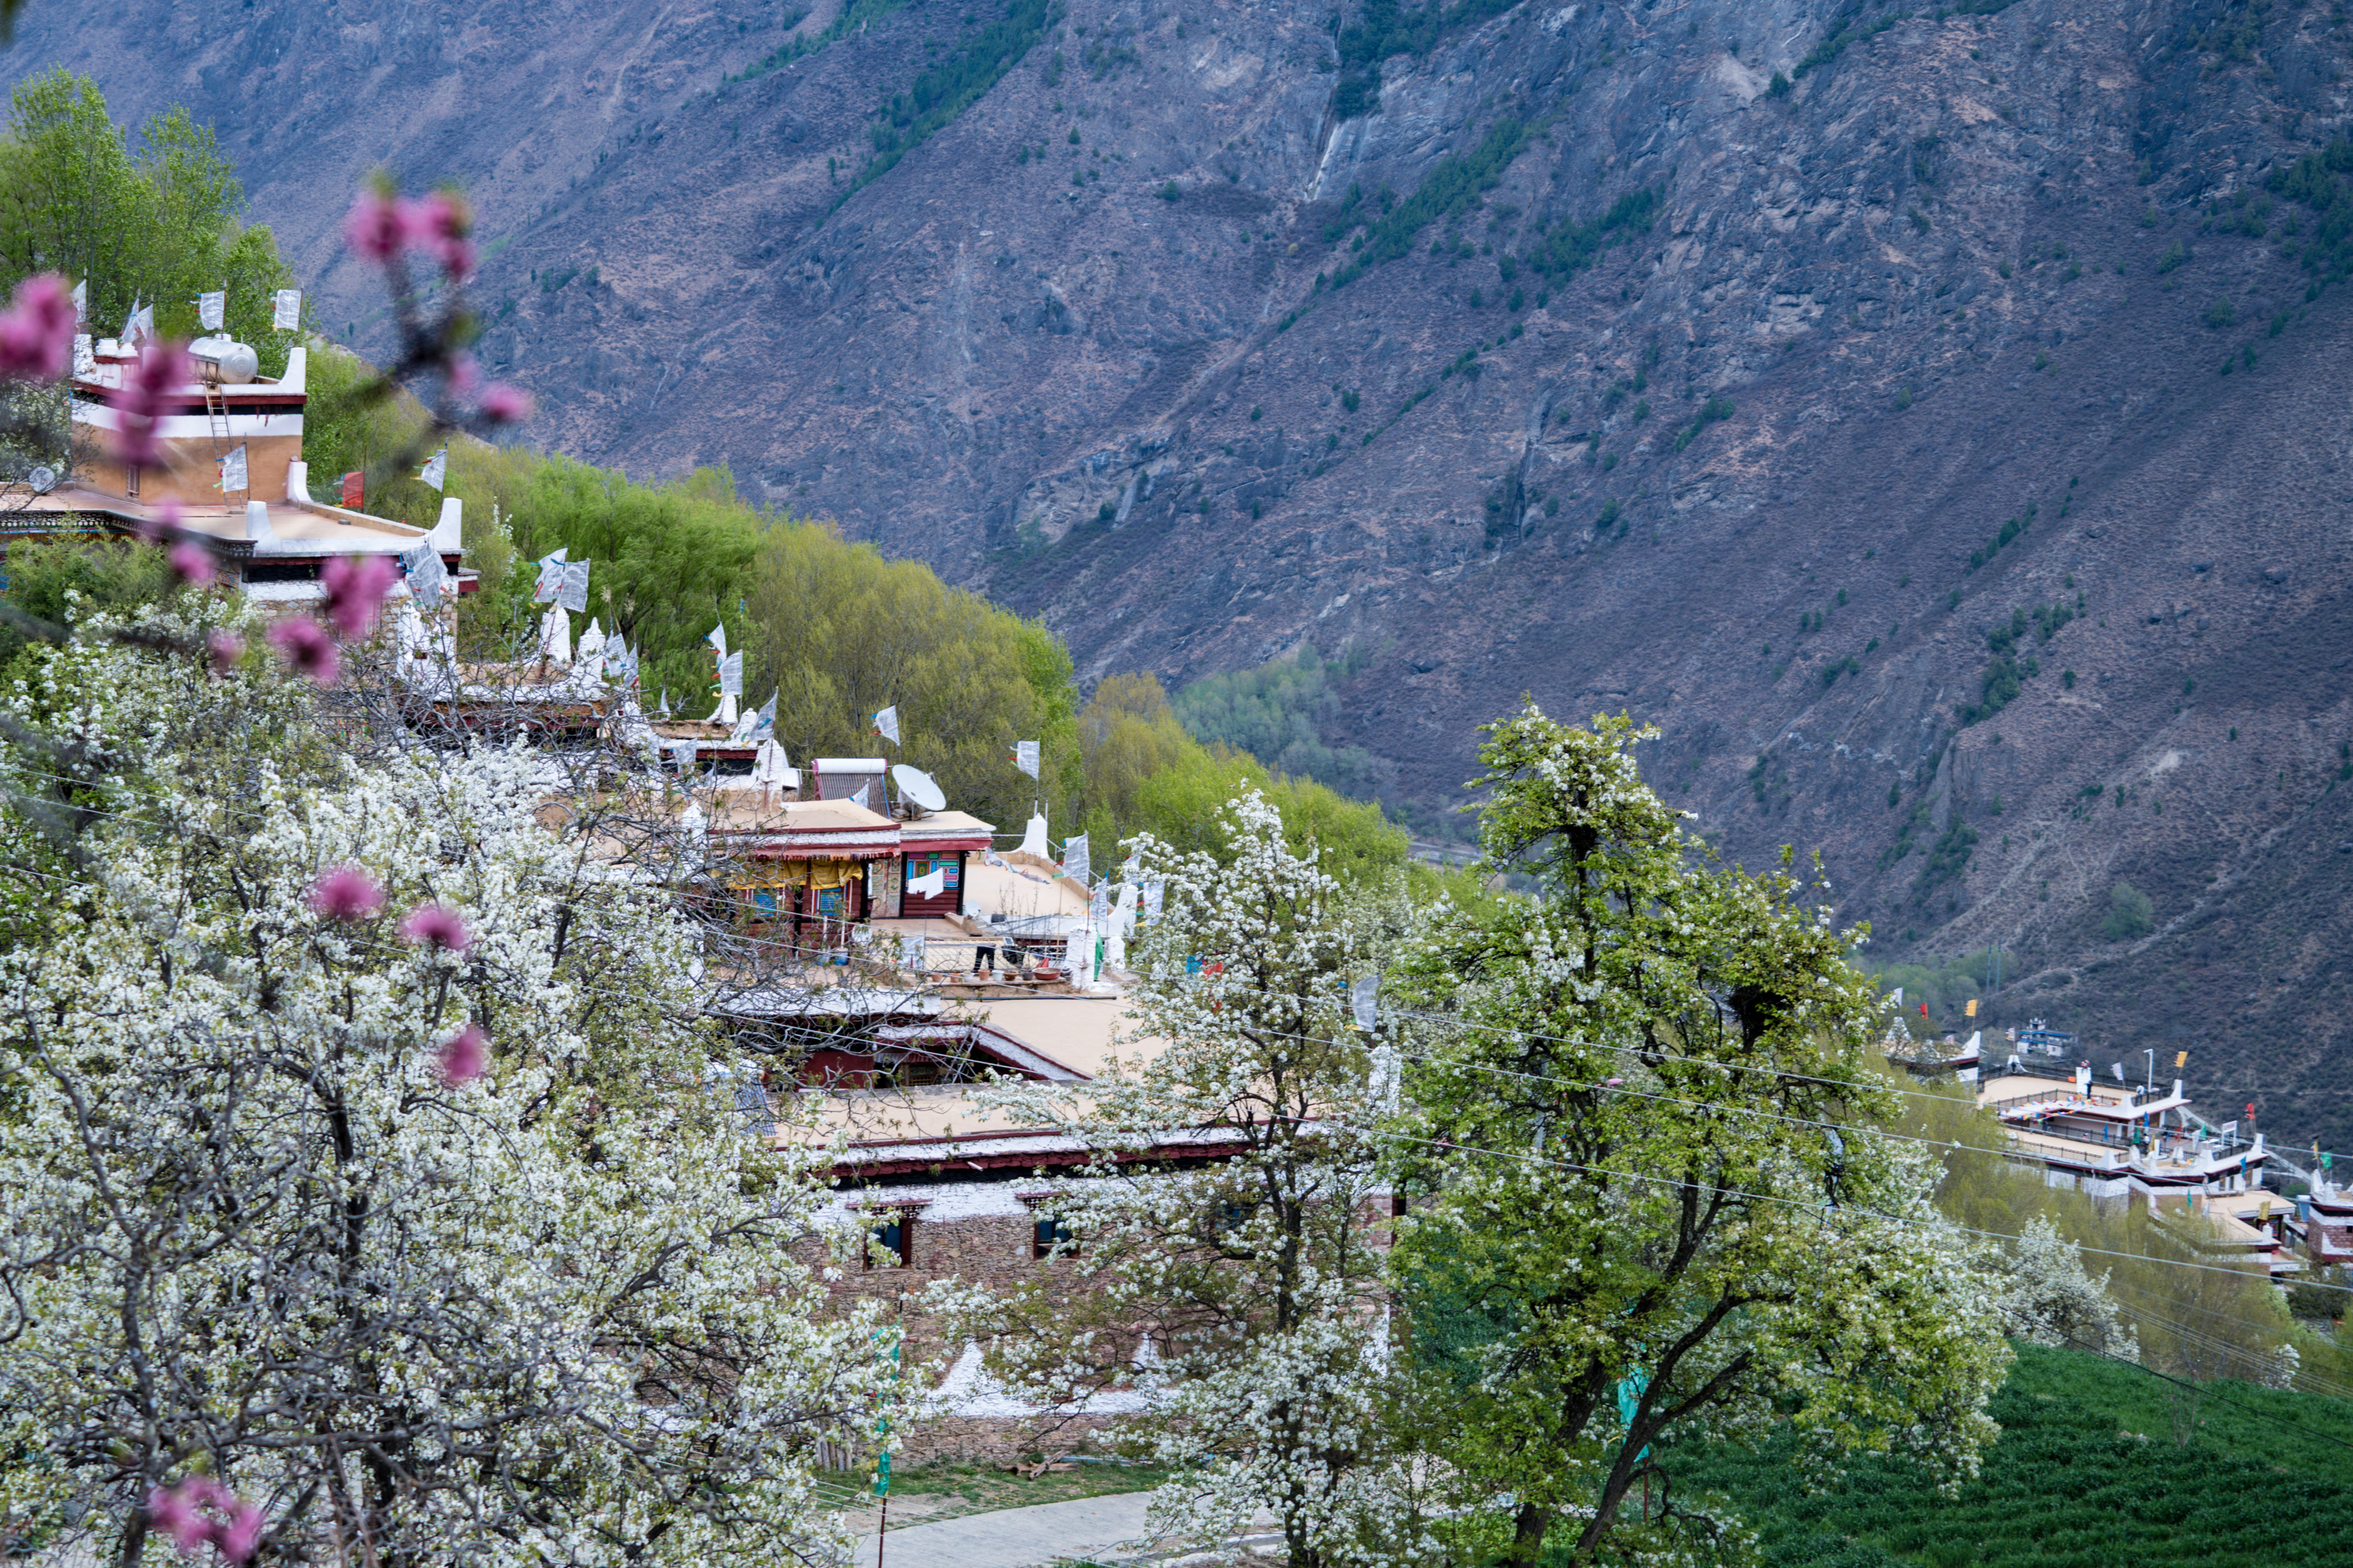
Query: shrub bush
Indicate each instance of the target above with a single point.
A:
(2130, 914)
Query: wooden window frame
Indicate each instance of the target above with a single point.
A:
(881, 1218)
(1044, 1248)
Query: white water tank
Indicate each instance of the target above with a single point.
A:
(239, 363)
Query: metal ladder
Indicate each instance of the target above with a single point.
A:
(217, 424)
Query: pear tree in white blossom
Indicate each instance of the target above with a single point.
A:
(363, 1196)
(1230, 1231)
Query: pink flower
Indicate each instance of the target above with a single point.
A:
(145, 398)
(227, 648)
(357, 585)
(461, 1055)
(346, 893)
(180, 1514)
(505, 404)
(440, 223)
(242, 1532)
(465, 373)
(172, 1514)
(378, 226)
(434, 926)
(192, 564)
(37, 334)
(167, 518)
(305, 645)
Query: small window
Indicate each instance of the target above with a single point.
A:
(1396, 1206)
(1051, 1236)
(895, 1235)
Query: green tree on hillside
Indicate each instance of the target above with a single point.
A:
(160, 221)
(1145, 775)
(839, 633)
(668, 562)
(2130, 913)
(1658, 1198)
(1277, 713)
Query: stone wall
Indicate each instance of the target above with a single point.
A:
(983, 1233)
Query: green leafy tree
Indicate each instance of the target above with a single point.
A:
(841, 633)
(668, 562)
(1276, 714)
(57, 581)
(1146, 775)
(1658, 1202)
(2130, 914)
(160, 221)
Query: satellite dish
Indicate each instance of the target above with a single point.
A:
(43, 479)
(916, 786)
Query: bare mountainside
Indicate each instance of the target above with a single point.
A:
(1936, 424)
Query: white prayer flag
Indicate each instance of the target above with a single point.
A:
(1155, 892)
(887, 722)
(85, 355)
(1074, 857)
(1895, 998)
(141, 325)
(551, 579)
(81, 299)
(286, 310)
(435, 469)
(683, 754)
(1025, 757)
(574, 594)
(232, 471)
(767, 717)
(865, 792)
(211, 310)
(731, 676)
(769, 766)
(718, 641)
(427, 575)
(930, 885)
(555, 635)
(1361, 997)
(2117, 1069)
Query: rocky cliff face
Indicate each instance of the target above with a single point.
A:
(1933, 424)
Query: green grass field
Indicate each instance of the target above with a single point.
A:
(2087, 1474)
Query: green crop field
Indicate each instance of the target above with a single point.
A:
(2087, 1473)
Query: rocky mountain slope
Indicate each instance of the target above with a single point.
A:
(1936, 424)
